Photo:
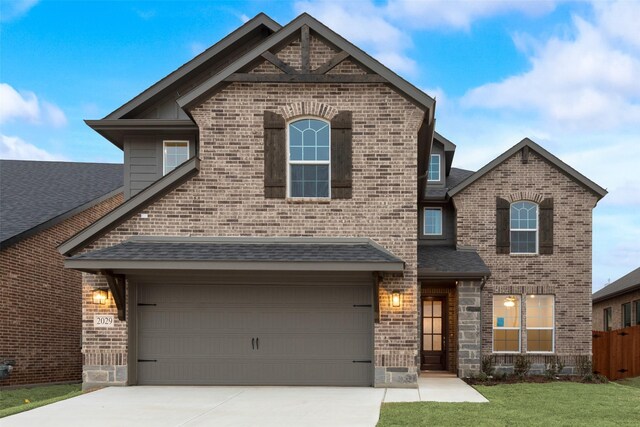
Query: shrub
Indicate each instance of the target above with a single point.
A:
(583, 365)
(594, 378)
(481, 376)
(488, 365)
(554, 367)
(521, 366)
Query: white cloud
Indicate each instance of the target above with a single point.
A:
(15, 9)
(14, 148)
(588, 80)
(26, 106)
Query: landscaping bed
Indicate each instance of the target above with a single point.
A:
(22, 399)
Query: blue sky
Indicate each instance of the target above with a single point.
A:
(562, 73)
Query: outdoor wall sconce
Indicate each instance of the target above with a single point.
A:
(395, 299)
(100, 296)
(509, 301)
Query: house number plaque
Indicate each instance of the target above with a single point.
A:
(103, 320)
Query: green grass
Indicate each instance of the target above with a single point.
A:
(13, 401)
(551, 404)
(631, 382)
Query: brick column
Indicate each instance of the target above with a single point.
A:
(469, 321)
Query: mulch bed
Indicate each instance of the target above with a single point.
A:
(513, 379)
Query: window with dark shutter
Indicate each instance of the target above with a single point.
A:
(546, 227)
(275, 156)
(502, 226)
(341, 155)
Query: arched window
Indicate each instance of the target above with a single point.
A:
(309, 158)
(524, 227)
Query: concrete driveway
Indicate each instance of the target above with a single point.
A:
(206, 406)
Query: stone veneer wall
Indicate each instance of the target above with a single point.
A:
(41, 304)
(469, 324)
(227, 198)
(566, 273)
(616, 310)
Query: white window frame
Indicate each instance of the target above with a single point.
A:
(511, 328)
(424, 221)
(439, 168)
(164, 156)
(306, 162)
(537, 230)
(552, 328)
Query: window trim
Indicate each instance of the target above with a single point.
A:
(537, 230)
(552, 328)
(622, 306)
(439, 168)
(164, 156)
(424, 221)
(607, 315)
(306, 162)
(493, 328)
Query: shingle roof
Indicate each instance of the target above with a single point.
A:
(147, 252)
(447, 260)
(456, 176)
(623, 285)
(34, 193)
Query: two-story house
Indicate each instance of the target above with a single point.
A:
(293, 218)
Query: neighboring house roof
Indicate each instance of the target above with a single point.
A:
(204, 89)
(36, 195)
(450, 262)
(627, 283)
(131, 206)
(455, 177)
(565, 168)
(240, 253)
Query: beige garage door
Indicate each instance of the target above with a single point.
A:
(305, 331)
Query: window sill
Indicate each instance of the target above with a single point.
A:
(308, 200)
(524, 255)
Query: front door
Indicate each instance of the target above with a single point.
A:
(433, 334)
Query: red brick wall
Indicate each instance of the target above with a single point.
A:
(566, 273)
(40, 312)
(616, 311)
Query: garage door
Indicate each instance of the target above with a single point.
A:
(302, 332)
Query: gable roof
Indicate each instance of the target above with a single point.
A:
(259, 20)
(37, 195)
(437, 262)
(455, 177)
(626, 283)
(131, 206)
(565, 168)
(196, 94)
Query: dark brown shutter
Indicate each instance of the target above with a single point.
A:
(275, 156)
(546, 227)
(502, 226)
(341, 157)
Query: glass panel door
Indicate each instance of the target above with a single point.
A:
(432, 324)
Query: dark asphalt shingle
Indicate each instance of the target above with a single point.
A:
(213, 251)
(32, 193)
(624, 284)
(456, 176)
(447, 259)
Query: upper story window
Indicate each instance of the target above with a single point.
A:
(432, 222)
(607, 319)
(309, 159)
(174, 154)
(626, 315)
(524, 228)
(637, 304)
(434, 168)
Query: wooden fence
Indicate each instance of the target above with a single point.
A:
(616, 354)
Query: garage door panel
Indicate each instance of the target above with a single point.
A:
(193, 346)
(315, 346)
(179, 320)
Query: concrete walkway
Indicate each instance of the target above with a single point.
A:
(208, 406)
(438, 388)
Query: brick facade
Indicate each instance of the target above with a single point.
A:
(227, 198)
(616, 310)
(566, 273)
(41, 304)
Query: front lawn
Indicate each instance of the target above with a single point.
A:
(551, 404)
(631, 382)
(13, 401)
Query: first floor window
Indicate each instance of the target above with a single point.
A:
(607, 318)
(637, 303)
(175, 153)
(506, 323)
(309, 158)
(433, 221)
(626, 315)
(540, 323)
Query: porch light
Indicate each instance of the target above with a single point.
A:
(100, 296)
(509, 301)
(395, 299)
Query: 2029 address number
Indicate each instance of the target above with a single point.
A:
(103, 320)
